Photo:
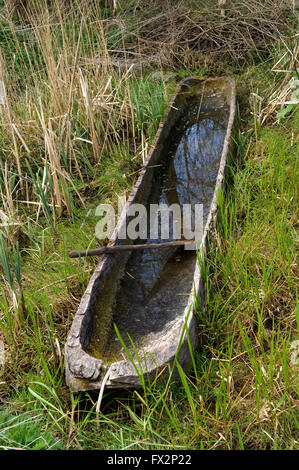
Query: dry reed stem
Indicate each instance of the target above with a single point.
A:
(53, 157)
(278, 98)
(90, 116)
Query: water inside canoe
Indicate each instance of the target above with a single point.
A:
(156, 285)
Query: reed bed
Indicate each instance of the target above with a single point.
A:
(68, 94)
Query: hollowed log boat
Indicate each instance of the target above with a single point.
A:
(151, 295)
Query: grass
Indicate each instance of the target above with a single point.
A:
(25, 432)
(74, 133)
(253, 271)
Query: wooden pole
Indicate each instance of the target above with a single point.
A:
(117, 248)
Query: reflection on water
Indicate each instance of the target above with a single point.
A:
(156, 283)
(194, 167)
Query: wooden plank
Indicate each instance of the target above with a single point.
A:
(117, 248)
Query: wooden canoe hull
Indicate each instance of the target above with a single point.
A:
(85, 371)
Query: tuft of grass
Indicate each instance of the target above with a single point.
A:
(25, 432)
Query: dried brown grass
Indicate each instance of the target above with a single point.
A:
(182, 33)
(285, 67)
(82, 83)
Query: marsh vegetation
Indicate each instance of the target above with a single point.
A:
(83, 88)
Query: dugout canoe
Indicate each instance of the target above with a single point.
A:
(152, 295)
